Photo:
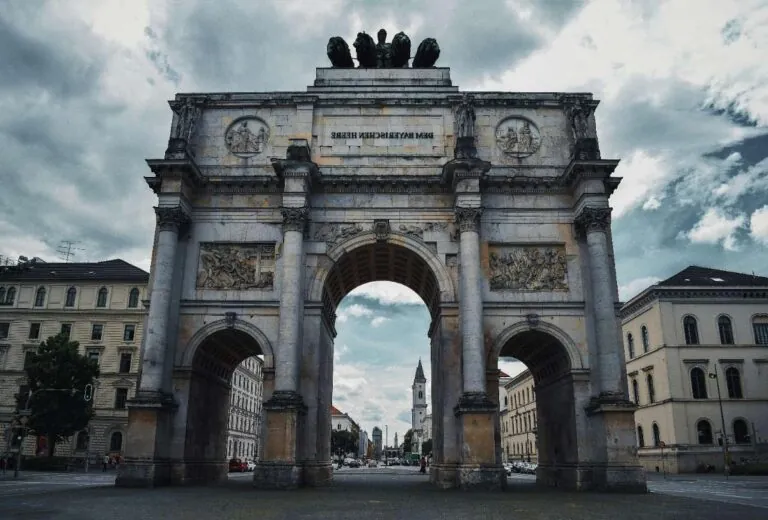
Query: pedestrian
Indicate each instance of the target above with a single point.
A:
(104, 463)
(423, 468)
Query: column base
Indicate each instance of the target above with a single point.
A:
(444, 476)
(144, 473)
(318, 474)
(191, 472)
(593, 477)
(277, 475)
(481, 477)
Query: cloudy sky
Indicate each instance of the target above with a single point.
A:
(683, 84)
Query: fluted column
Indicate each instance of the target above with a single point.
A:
(471, 301)
(169, 220)
(594, 223)
(287, 366)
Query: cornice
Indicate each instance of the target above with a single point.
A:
(657, 292)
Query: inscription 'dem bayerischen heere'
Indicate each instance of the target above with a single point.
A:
(382, 135)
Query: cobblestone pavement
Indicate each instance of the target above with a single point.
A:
(371, 495)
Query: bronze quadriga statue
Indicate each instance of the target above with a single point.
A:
(382, 55)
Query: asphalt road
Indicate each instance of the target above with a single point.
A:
(40, 483)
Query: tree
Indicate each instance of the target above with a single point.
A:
(57, 375)
(343, 441)
(408, 441)
(426, 447)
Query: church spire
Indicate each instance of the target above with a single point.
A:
(419, 377)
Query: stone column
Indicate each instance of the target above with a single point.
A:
(594, 224)
(169, 219)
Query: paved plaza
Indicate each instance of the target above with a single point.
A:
(375, 493)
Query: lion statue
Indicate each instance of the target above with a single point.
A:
(366, 51)
(426, 54)
(401, 50)
(338, 53)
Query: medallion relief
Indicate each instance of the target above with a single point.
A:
(517, 137)
(247, 136)
(236, 266)
(528, 268)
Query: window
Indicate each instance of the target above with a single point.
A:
(760, 327)
(740, 432)
(636, 391)
(698, 383)
(733, 381)
(71, 295)
(34, 331)
(97, 331)
(101, 299)
(640, 437)
(81, 442)
(10, 296)
(691, 330)
(129, 332)
(121, 396)
(651, 390)
(656, 435)
(726, 330)
(5, 329)
(133, 298)
(40, 297)
(704, 430)
(28, 358)
(644, 337)
(631, 345)
(93, 355)
(116, 442)
(66, 330)
(22, 396)
(421, 394)
(125, 363)
(2, 294)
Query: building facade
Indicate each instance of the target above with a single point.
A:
(418, 408)
(99, 305)
(378, 447)
(245, 403)
(519, 420)
(693, 342)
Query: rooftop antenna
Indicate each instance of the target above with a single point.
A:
(67, 250)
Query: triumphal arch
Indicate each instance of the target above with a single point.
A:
(492, 206)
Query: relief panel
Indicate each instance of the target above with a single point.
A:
(236, 267)
(527, 268)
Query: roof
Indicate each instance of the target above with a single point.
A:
(336, 411)
(109, 270)
(419, 374)
(696, 276)
(503, 374)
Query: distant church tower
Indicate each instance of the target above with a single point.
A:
(419, 410)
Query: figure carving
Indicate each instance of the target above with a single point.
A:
(427, 54)
(188, 111)
(578, 114)
(381, 229)
(465, 117)
(332, 234)
(236, 267)
(528, 269)
(517, 137)
(366, 51)
(417, 230)
(339, 54)
(247, 141)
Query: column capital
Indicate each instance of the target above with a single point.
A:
(170, 218)
(468, 219)
(593, 219)
(294, 219)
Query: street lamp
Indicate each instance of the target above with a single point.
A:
(722, 422)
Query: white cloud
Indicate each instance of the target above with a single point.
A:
(387, 293)
(378, 321)
(758, 225)
(642, 175)
(512, 368)
(355, 310)
(716, 227)
(634, 287)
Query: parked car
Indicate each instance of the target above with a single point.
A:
(372, 464)
(354, 463)
(237, 465)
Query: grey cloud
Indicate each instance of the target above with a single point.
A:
(404, 416)
(372, 412)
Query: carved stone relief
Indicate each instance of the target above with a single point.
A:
(236, 266)
(517, 137)
(528, 268)
(247, 136)
(333, 233)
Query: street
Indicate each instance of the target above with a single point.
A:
(386, 492)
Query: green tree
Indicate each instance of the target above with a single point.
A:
(343, 441)
(57, 375)
(426, 447)
(408, 441)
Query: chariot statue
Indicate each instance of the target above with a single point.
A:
(382, 55)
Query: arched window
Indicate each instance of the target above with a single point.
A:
(636, 391)
(40, 297)
(704, 430)
(630, 345)
(725, 328)
(656, 435)
(760, 328)
(640, 437)
(116, 442)
(698, 383)
(691, 330)
(651, 389)
(2, 295)
(733, 381)
(421, 394)
(81, 442)
(740, 432)
(71, 295)
(133, 298)
(10, 296)
(644, 337)
(101, 299)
